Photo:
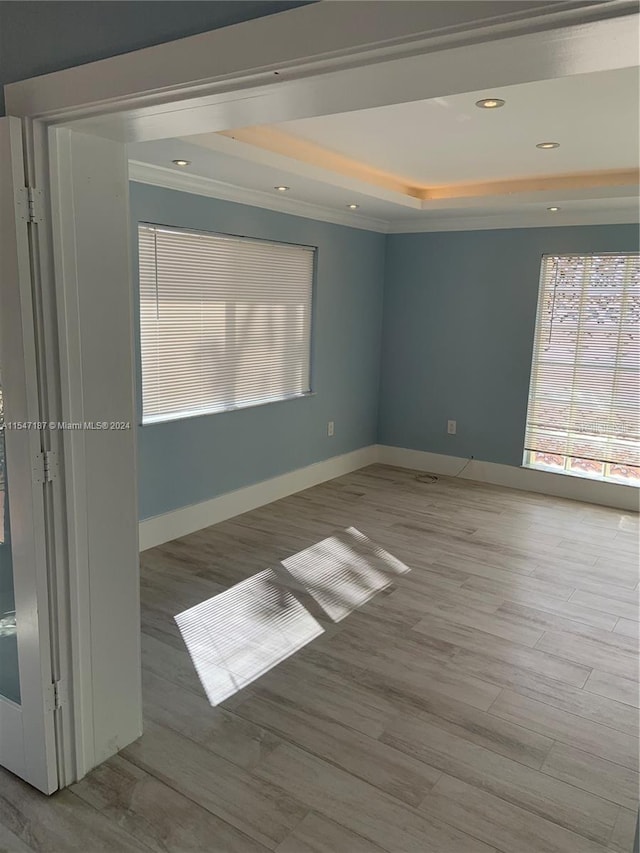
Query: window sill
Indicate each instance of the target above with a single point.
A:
(184, 416)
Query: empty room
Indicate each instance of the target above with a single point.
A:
(319, 426)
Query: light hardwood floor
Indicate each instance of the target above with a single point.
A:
(485, 701)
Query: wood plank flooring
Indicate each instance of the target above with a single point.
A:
(485, 701)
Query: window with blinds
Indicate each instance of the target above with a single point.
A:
(583, 416)
(225, 322)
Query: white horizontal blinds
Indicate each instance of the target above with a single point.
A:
(585, 380)
(225, 321)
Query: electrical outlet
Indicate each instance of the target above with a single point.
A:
(330, 428)
(452, 427)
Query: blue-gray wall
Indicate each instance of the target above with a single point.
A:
(452, 340)
(39, 37)
(184, 462)
(459, 319)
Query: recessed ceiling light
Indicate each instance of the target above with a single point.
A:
(547, 145)
(353, 206)
(553, 209)
(182, 162)
(281, 189)
(490, 103)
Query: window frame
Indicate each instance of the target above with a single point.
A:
(156, 420)
(528, 454)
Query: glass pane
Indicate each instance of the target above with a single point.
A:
(9, 675)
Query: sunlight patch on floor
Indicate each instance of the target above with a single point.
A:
(344, 571)
(242, 633)
(236, 636)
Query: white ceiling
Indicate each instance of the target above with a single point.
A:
(594, 117)
(433, 143)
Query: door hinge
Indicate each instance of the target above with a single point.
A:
(45, 467)
(31, 204)
(56, 695)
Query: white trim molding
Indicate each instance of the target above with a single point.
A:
(268, 52)
(161, 176)
(180, 522)
(537, 217)
(626, 498)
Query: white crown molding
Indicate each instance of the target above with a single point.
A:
(160, 176)
(231, 146)
(283, 152)
(517, 219)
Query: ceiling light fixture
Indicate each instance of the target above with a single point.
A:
(181, 162)
(547, 145)
(282, 189)
(353, 206)
(490, 103)
(553, 209)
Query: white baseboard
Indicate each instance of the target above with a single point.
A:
(622, 497)
(180, 522)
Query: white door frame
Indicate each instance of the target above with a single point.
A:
(27, 728)
(318, 59)
(328, 57)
